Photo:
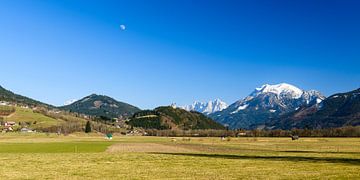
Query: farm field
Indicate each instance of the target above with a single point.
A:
(83, 156)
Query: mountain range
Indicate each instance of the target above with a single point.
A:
(206, 107)
(279, 106)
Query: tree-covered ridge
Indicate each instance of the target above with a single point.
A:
(101, 106)
(172, 118)
(8, 96)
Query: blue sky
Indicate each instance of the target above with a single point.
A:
(176, 51)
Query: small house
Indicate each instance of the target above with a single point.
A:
(4, 103)
(10, 123)
(295, 137)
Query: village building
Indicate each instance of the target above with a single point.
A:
(10, 123)
(3, 103)
(25, 107)
(241, 134)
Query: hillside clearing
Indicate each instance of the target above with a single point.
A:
(35, 119)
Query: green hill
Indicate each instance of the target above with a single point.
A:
(29, 118)
(101, 106)
(26, 112)
(172, 118)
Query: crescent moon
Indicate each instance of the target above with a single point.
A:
(122, 27)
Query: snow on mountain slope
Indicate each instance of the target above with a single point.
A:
(206, 107)
(68, 102)
(279, 89)
(341, 109)
(266, 102)
(283, 95)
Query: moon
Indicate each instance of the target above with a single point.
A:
(122, 27)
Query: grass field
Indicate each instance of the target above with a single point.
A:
(80, 156)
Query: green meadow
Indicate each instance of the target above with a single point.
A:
(82, 156)
(35, 119)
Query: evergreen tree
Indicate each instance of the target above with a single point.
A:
(88, 127)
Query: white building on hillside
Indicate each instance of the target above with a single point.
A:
(3, 103)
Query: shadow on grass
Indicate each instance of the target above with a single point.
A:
(320, 152)
(215, 149)
(273, 158)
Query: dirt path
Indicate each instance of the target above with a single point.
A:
(11, 115)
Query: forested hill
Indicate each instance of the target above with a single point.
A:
(172, 118)
(99, 105)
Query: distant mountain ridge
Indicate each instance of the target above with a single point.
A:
(206, 107)
(100, 105)
(264, 103)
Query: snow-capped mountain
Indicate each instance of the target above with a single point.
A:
(68, 102)
(282, 89)
(341, 109)
(206, 107)
(266, 102)
(282, 96)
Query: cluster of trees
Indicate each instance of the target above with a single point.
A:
(63, 128)
(349, 131)
(104, 119)
(69, 127)
(148, 122)
(72, 127)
